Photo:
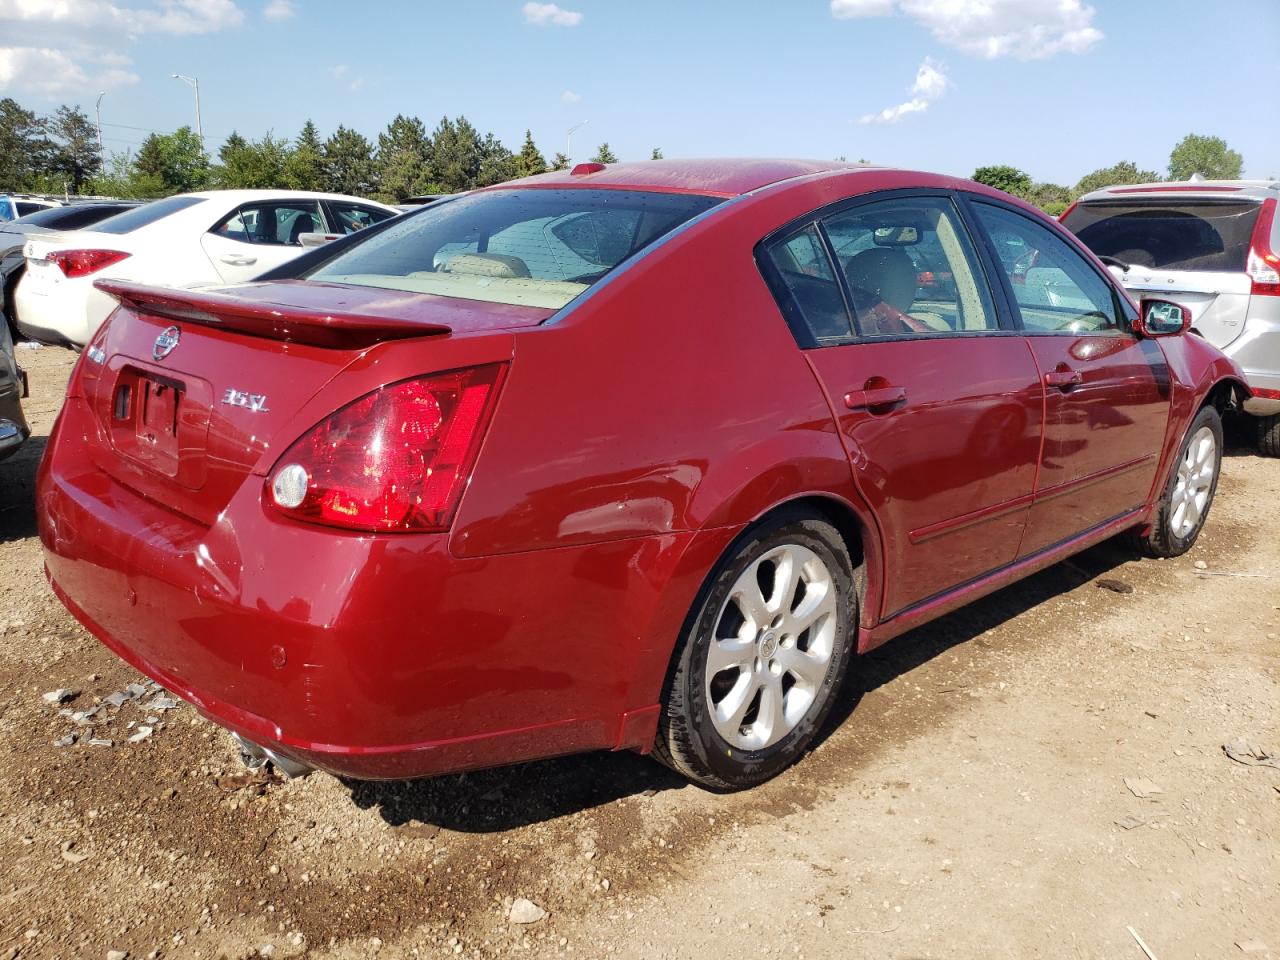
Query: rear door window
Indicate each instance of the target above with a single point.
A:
(279, 222)
(350, 217)
(1202, 235)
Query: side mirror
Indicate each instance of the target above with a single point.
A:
(1162, 318)
(316, 239)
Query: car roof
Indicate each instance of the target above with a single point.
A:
(1189, 190)
(244, 196)
(717, 177)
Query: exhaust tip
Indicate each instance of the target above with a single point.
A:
(255, 757)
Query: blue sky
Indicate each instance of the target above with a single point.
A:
(1056, 87)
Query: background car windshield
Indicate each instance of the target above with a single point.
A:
(146, 214)
(1191, 235)
(537, 248)
(74, 216)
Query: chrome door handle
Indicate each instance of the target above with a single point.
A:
(1063, 379)
(875, 397)
(238, 260)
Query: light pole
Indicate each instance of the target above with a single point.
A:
(97, 112)
(194, 83)
(568, 139)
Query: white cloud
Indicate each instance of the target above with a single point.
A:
(1023, 29)
(930, 84)
(550, 14)
(73, 48)
(279, 10)
(570, 97)
(340, 71)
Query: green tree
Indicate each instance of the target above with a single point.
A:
(457, 153)
(1208, 156)
(1126, 171)
(74, 157)
(497, 163)
(604, 155)
(404, 159)
(304, 166)
(174, 161)
(657, 154)
(560, 162)
(348, 164)
(20, 137)
(1006, 178)
(530, 162)
(251, 166)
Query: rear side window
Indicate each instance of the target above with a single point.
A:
(530, 247)
(146, 214)
(350, 217)
(278, 222)
(1203, 235)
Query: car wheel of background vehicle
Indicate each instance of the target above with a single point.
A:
(1182, 511)
(1269, 435)
(762, 657)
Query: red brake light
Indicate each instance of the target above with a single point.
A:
(81, 263)
(1263, 265)
(396, 460)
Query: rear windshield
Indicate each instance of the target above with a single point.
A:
(531, 247)
(146, 214)
(1205, 235)
(74, 216)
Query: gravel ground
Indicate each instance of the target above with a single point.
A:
(1039, 775)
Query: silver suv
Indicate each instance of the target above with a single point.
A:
(1212, 246)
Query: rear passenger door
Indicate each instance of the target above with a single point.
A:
(257, 237)
(938, 404)
(1106, 390)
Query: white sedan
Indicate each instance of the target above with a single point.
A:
(213, 237)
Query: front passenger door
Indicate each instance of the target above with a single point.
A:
(1106, 391)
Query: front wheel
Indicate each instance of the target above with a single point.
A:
(762, 657)
(1184, 507)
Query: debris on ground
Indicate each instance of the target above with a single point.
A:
(1242, 751)
(525, 911)
(1129, 822)
(1115, 586)
(61, 695)
(1251, 946)
(69, 855)
(1145, 949)
(1141, 787)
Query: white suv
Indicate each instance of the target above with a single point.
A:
(1213, 246)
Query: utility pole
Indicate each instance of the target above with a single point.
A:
(568, 139)
(97, 111)
(194, 83)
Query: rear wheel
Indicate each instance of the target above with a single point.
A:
(1269, 435)
(763, 654)
(1184, 507)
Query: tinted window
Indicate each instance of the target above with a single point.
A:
(275, 222)
(909, 268)
(74, 216)
(146, 214)
(533, 247)
(1186, 235)
(1056, 288)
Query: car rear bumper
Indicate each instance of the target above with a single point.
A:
(368, 656)
(13, 426)
(1257, 351)
(68, 314)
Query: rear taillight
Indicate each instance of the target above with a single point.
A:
(396, 460)
(1263, 265)
(81, 263)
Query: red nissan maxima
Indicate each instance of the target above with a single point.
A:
(637, 456)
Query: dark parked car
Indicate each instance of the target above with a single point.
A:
(13, 236)
(13, 387)
(624, 457)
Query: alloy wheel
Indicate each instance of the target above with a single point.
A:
(1194, 483)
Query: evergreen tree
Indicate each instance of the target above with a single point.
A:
(1123, 172)
(20, 135)
(561, 162)
(250, 166)
(348, 164)
(657, 154)
(404, 159)
(304, 166)
(530, 162)
(457, 155)
(604, 155)
(497, 163)
(74, 156)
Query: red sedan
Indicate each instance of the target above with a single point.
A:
(628, 457)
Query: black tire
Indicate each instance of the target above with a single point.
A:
(687, 740)
(1162, 542)
(1269, 435)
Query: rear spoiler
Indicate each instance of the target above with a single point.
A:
(263, 318)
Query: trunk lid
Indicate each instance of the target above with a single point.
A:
(190, 390)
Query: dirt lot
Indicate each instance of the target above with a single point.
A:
(969, 800)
